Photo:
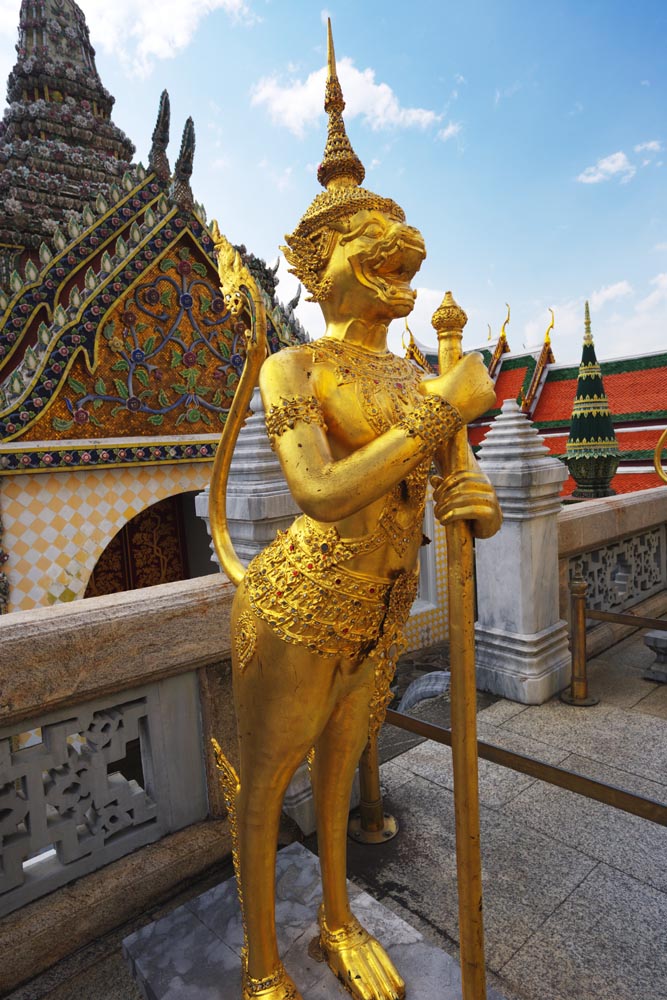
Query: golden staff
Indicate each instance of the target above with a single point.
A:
(448, 321)
(662, 442)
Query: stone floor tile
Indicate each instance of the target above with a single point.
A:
(109, 979)
(607, 941)
(615, 677)
(393, 775)
(631, 844)
(634, 741)
(178, 958)
(497, 784)
(502, 710)
(526, 875)
(175, 959)
(654, 703)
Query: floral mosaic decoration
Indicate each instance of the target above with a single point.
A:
(173, 351)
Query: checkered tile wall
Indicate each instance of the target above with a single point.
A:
(58, 524)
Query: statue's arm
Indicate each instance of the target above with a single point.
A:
(329, 489)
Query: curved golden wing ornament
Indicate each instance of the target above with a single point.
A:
(243, 299)
(662, 443)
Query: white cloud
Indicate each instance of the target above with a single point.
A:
(140, 32)
(660, 246)
(450, 131)
(610, 292)
(510, 91)
(654, 146)
(657, 297)
(616, 165)
(325, 14)
(298, 104)
(459, 78)
(646, 83)
(9, 23)
(630, 328)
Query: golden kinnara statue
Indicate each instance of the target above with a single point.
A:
(318, 615)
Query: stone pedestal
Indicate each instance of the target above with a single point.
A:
(657, 641)
(522, 644)
(194, 953)
(259, 504)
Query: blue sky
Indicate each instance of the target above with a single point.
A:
(527, 140)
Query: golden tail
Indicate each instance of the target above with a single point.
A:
(245, 304)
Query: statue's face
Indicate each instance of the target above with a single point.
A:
(371, 269)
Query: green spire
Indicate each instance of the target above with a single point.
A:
(592, 449)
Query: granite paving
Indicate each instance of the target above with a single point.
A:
(607, 941)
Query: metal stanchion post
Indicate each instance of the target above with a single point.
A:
(577, 693)
(370, 824)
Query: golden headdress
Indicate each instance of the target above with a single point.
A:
(340, 173)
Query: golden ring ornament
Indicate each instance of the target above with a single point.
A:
(661, 445)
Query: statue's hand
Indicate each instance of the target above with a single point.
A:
(466, 386)
(467, 496)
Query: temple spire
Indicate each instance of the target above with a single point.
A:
(340, 166)
(59, 147)
(592, 448)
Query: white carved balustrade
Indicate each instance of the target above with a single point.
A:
(104, 728)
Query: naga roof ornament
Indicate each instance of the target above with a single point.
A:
(181, 192)
(185, 162)
(340, 173)
(157, 158)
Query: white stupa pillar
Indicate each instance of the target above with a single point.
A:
(259, 502)
(522, 643)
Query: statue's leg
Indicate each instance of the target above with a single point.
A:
(356, 958)
(283, 696)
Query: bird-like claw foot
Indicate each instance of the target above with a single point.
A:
(360, 962)
(277, 986)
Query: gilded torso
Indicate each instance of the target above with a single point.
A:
(362, 395)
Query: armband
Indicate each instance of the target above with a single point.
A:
(290, 412)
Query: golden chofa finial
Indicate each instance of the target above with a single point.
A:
(340, 166)
(588, 336)
(503, 333)
(547, 335)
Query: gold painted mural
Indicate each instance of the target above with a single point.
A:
(167, 359)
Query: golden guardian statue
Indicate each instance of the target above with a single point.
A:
(318, 615)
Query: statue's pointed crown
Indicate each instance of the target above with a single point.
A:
(340, 174)
(340, 165)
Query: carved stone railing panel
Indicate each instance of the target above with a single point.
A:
(624, 572)
(82, 787)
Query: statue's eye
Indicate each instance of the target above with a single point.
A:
(374, 230)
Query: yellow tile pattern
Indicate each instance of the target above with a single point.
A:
(428, 627)
(58, 524)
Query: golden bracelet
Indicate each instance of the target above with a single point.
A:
(433, 421)
(289, 412)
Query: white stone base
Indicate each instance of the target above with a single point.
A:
(299, 804)
(525, 668)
